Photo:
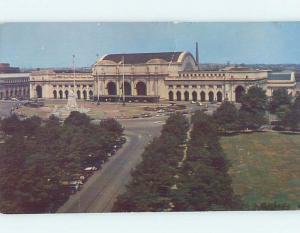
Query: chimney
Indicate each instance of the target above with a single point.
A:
(197, 54)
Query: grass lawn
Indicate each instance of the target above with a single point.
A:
(265, 167)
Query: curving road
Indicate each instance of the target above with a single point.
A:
(101, 190)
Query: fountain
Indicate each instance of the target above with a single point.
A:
(71, 106)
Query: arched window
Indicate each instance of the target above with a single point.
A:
(178, 96)
(55, 94)
(239, 92)
(111, 88)
(202, 96)
(91, 94)
(186, 96)
(60, 94)
(78, 95)
(171, 95)
(39, 91)
(141, 88)
(127, 88)
(194, 96)
(84, 94)
(66, 94)
(219, 96)
(210, 96)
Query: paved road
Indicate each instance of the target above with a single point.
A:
(101, 190)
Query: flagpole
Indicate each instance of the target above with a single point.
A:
(74, 72)
(123, 86)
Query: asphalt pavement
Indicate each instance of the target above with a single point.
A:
(99, 193)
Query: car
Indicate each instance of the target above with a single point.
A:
(193, 102)
(93, 168)
(160, 111)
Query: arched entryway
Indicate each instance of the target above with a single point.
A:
(194, 96)
(60, 94)
(84, 94)
(111, 88)
(239, 91)
(202, 96)
(178, 96)
(219, 96)
(91, 94)
(78, 95)
(55, 94)
(186, 96)
(127, 88)
(171, 95)
(210, 96)
(66, 94)
(39, 91)
(141, 88)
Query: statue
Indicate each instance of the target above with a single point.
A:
(72, 104)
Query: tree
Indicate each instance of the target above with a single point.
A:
(292, 118)
(31, 125)
(226, 116)
(111, 125)
(280, 97)
(11, 125)
(77, 119)
(253, 106)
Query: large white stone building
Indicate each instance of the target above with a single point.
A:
(173, 76)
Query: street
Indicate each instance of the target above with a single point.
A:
(101, 190)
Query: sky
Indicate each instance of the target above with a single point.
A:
(41, 45)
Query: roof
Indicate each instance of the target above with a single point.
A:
(138, 58)
(279, 76)
(14, 75)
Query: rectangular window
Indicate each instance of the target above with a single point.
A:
(186, 86)
(211, 86)
(170, 86)
(219, 86)
(194, 86)
(178, 86)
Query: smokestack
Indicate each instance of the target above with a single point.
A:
(197, 54)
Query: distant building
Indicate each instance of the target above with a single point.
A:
(13, 83)
(278, 80)
(6, 68)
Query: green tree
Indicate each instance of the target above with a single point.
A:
(77, 119)
(280, 97)
(11, 125)
(226, 116)
(111, 125)
(292, 118)
(253, 106)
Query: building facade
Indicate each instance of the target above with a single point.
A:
(57, 84)
(150, 77)
(173, 76)
(14, 85)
